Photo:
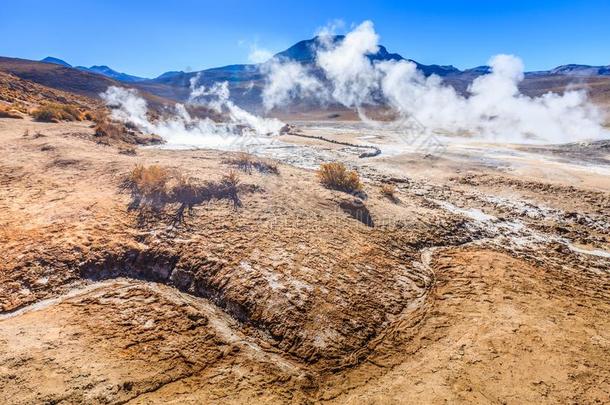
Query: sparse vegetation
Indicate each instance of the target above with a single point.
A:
(231, 179)
(149, 181)
(106, 128)
(106, 131)
(128, 151)
(20, 107)
(6, 112)
(337, 177)
(88, 115)
(156, 186)
(247, 163)
(389, 191)
(54, 112)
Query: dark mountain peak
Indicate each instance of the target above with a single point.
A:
(169, 74)
(383, 54)
(482, 70)
(305, 51)
(100, 67)
(439, 70)
(302, 51)
(56, 61)
(111, 73)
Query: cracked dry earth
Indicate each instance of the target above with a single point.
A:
(479, 286)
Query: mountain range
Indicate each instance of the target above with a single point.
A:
(304, 52)
(247, 80)
(98, 69)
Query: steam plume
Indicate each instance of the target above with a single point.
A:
(494, 108)
(180, 128)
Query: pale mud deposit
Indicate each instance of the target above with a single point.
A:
(486, 279)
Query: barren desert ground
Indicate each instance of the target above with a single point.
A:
(484, 278)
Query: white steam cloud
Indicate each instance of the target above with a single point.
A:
(217, 98)
(494, 108)
(258, 54)
(287, 80)
(242, 128)
(353, 76)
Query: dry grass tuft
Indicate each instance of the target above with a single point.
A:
(389, 191)
(231, 179)
(54, 112)
(247, 163)
(6, 112)
(109, 129)
(336, 176)
(106, 129)
(155, 187)
(150, 182)
(128, 151)
(20, 107)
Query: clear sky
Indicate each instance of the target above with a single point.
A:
(147, 38)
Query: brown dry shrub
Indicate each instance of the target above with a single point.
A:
(150, 182)
(6, 112)
(20, 107)
(156, 186)
(247, 163)
(242, 161)
(128, 151)
(109, 129)
(336, 176)
(388, 190)
(54, 112)
(231, 179)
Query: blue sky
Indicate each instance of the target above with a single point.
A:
(147, 38)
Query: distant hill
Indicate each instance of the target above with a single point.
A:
(69, 79)
(100, 70)
(111, 73)
(167, 75)
(50, 59)
(581, 70)
(14, 89)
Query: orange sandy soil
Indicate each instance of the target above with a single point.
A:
(288, 298)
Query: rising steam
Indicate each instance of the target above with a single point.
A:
(494, 108)
(240, 130)
(344, 74)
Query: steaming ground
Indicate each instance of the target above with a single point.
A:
(486, 279)
(493, 107)
(400, 150)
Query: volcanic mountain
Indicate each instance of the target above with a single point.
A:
(247, 80)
